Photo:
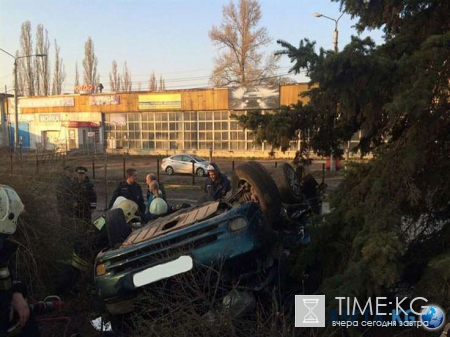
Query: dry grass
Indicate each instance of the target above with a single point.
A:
(45, 239)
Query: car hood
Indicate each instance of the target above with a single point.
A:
(171, 223)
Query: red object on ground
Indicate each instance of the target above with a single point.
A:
(337, 163)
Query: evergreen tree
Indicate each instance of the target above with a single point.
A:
(390, 224)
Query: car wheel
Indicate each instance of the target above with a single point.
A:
(200, 172)
(116, 226)
(169, 170)
(264, 189)
(259, 166)
(289, 184)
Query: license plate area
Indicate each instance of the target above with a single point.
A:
(163, 271)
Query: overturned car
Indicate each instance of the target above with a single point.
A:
(243, 236)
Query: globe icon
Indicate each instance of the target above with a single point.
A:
(432, 317)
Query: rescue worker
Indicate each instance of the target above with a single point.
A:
(110, 229)
(65, 197)
(86, 197)
(217, 184)
(13, 294)
(129, 189)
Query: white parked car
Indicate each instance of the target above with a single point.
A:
(182, 163)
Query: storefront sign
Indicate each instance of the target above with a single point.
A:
(50, 118)
(159, 101)
(80, 124)
(86, 88)
(104, 100)
(46, 102)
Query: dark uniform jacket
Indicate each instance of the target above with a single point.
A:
(132, 192)
(7, 287)
(86, 198)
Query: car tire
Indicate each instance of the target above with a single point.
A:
(289, 184)
(169, 170)
(200, 172)
(265, 189)
(116, 226)
(259, 166)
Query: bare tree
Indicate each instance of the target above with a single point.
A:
(114, 78)
(162, 83)
(59, 73)
(153, 82)
(42, 63)
(90, 64)
(126, 78)
(240, 39)
(77, 75)
(25, 65)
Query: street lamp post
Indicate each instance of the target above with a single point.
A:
(336, 32)
(16, 98)
(336, 49)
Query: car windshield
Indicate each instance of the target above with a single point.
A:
(197, 158)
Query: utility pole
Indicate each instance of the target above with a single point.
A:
(336, 50)
(16, 98)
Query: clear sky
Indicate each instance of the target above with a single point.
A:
(169, 37)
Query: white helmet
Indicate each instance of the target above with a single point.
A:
(129, 209)
(118, 201)
(210, 168)
(10, 208)
(158, 206)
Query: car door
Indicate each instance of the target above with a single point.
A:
(186, 163)
(177, 164)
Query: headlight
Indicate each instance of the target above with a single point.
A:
(238, 224)
(100, 269)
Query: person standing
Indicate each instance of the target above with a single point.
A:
(152, 177)
(129, 189)
(86, 197)
(217, 184)
(65, 196)
(156, 205)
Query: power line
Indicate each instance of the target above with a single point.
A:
(202, 81)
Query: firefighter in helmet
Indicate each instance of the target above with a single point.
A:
(13, 294)
(110, 230)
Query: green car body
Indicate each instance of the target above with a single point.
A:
(202, 236)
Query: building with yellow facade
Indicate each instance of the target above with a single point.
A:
(164, 123)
